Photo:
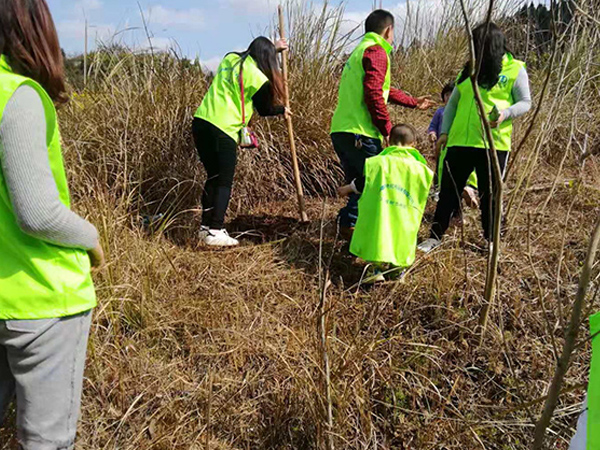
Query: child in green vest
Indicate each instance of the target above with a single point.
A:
(393, 194)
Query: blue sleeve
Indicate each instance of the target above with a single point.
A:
(436, 122)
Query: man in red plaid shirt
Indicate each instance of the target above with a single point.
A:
(361, 123)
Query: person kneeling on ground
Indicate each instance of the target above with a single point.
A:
(434, 132)
(393, 195)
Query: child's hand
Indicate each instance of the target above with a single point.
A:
(345, 191)
(432, 137)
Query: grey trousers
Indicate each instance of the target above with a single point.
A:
(579, 441)
(41, 363)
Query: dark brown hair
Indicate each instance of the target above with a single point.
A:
(28, 38)
(403, 134)
(263, 51)
(490, 48)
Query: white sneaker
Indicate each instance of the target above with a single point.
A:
(203, 234)
(220, 238)
(429, 245)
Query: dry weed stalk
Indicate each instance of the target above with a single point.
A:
(570, 340)
(496, 189)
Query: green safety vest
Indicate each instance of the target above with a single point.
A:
(352, 114)
(391, 207)
(39, 280)
(467, 130)
(593, 425)
(222, 104)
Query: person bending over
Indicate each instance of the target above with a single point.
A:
(221, 118)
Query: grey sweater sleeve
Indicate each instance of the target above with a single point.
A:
(26, 169)
(521, 95)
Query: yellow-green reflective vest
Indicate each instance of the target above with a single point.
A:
(467, 130)
(352, 114)
(391, 207)
(222, 104)
(593, 425)
(39, 280)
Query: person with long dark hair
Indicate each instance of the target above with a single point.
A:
(504, 87)
(221, 120)
(46, 250)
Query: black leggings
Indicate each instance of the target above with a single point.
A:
(218, 153)
(458, 165)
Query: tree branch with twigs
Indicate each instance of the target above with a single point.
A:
(496, 188)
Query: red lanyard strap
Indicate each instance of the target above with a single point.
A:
(241, 80)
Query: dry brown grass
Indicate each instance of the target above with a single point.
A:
(197, 349)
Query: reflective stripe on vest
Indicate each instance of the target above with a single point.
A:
(593, 425)
(391, 207)
(352, 114)
(467, 130)
(39, 280)
(222, 104)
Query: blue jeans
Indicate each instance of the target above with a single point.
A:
(353, 150)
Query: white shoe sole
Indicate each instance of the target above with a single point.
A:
(216, 243)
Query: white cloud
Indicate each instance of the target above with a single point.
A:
(253, 6)
(211, 64)
(75, 29)
(188, 19)
(88, 4)
(159, 44)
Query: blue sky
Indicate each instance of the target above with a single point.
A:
(200, 28)
(204, 28)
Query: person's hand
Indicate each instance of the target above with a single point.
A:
(97, 256)
(425, 102)
(432, 137)
(441, 143)
(288, 113)
(282, 45)
(345, 191)
(496, 123)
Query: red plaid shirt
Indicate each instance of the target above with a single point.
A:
(375, 63)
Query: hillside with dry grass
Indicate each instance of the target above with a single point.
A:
(199, 349)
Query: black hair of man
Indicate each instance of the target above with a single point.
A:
(378, 21)
(448, 89)
(403, 135)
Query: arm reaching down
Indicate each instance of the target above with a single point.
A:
(263, 102)
(450, 112)
(31, 185)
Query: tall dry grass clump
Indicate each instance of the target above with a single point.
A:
(194, 349)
